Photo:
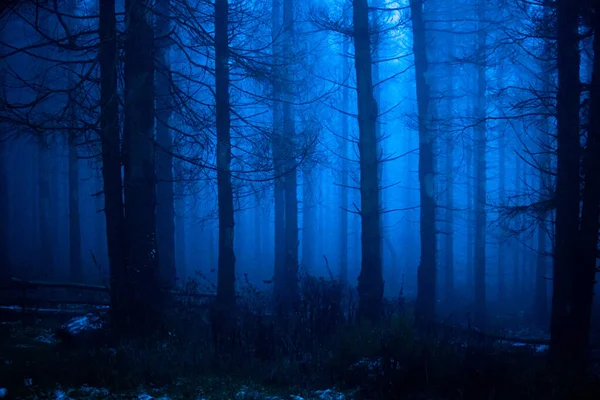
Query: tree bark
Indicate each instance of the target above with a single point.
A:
(426, 278)
(226, 264)
(165, 207)
(565, 351)
(111, 164)
(344, 164)
(139, 170)
(290, 179)
(480, 172)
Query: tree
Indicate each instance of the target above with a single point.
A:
(480, 173)
(165, 207)
(564, 349)
(111, 163)
(226, 261)
(138, 152)
(426, 279)
(370, 281)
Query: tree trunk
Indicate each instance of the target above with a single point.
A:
(565, 351)
(290, 179)
(165, 207)
(344, 164)
(426, 279)
(111, 164)
(309, 219)
(370, 281)
(278, 159)
(584, 269)
(479, 314)
(75, 262)
(225, 306)
(139, 173)
(449, 172)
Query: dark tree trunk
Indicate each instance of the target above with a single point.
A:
(426, 279)
(111, 164)
(344, 167)
(140, 175)
(5, 267)
(309, 219)
(565, 351)
(502, 198)
(180, 237)
(370, 281)
(449, 172)
(278, 159)
(290, 179)
(584, 269)
(226, 263)
(480, 176)
(165, 207)
(75, 262)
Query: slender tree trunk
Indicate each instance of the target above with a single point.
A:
(225, 307)
(165, 207)
(75, 262)
(290, 179)
(426, 279)
(502, 198)
(370, 281)
(111, 164)
(344, 165)
(480, 172)
(180, 209)
(565, 351)
(5, 266)
(309, 219)
(278, 158)
(449, 167)
(139, 172)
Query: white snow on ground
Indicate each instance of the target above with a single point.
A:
(84, 323)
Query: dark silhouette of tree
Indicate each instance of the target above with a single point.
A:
(426, 279)
(370, 281)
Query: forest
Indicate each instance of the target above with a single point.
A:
(299, 199)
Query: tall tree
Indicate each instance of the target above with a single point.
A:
(75, 262)
(139, 167)
(344, 155)
(226, 261)
(564, 349)
(290, 178)
(370, 281)
(426, 279)
(480, 172)
(165, 207)
(111, 163)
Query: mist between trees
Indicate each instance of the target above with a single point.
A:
(447, 153)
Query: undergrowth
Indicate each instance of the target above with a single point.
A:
(321, 346)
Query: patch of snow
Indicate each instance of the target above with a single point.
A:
(81, 324)
(330, 394)
(60, 394)
(146, 396)
(48, 339)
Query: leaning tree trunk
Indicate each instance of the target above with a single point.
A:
(165, 206)
(139, 162)
(426, 279)
(565, 351)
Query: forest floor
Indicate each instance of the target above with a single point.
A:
(388, 362)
